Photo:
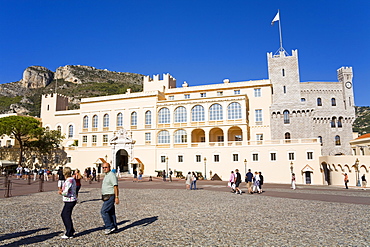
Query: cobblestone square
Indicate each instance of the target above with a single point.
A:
(210, 216)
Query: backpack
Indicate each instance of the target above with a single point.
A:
(41, 172)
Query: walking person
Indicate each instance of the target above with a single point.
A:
(256, 183)
(293, 181)
(77, 176)
(61, 178)
(46, 177)
(110, 197)
(188, 180)
(345, 180)
(164, 175)
(170, 175)
(35, 172)
(68, 192)
(248, 180)
(238, 180)
(363, 181)
(135, 176)
(193, 185)
(232, 181)
(261, 181)
(93, 174)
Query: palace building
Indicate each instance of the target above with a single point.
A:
(278, 125)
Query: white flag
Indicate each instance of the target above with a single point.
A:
(277, 18)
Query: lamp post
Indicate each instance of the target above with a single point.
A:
(357, 162)
(205, 168)
(245, 166)
(166, 166)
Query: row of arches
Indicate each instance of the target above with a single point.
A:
(180, 115)
(180, 136)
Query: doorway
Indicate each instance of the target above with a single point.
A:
(308, 177)
(122, 160)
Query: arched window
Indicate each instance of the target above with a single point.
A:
(286, 117)
(234, 111)
(148, 117)
(70, 131)
(332, 122)
(95, 121)
(337, 140)
(164, 137)
(106, 120)
(215, 112)
(340, 119)
(180, 136)
(120, 119)
(287, 136)
(333, 102)
(180, 115)
(319, 103)
(197, 113)
(59, 128)
(134, 118)
(47, 128)
(86, 122)
(164, 116)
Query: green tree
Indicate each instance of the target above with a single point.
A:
(22, 128)
(47, 141)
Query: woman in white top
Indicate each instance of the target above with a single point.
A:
(256, 182)
(69, 198)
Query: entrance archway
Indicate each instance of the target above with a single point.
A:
(122, 160)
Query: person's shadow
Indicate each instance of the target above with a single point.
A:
(144, 222)
(29, 240)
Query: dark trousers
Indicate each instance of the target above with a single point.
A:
(345, 183)
(67, 218)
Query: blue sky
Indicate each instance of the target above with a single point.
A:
(198, 41)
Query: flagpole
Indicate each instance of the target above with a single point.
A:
(281, 39)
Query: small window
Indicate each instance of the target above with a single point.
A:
(320, 140)
(273, 156)
(216, 158)
(337, 141)
(258, 115)
(198, 158)
(187, 96)
(180, 158)
(287, 136)
(291, 156)
(319, 102)
(94, 138)
(309, 155)
(284, 89)
(220, 93)
(236, 92)
(163, 159)
(283, 72)
(303, 100)
(203, 95)
(235, 157)
(171, 97)
(257, 92)
(332, 123)
(69, 159)
(286, 117)
(333, 102)
(340, 122)
(259, 137)
(84, 139)
(105, 138)
(148, 137)
(255, 157)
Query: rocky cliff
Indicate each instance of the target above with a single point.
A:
(74, 81)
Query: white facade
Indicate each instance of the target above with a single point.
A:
(212, 129)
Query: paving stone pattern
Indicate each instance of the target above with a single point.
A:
(179, 217)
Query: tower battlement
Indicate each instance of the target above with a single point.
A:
(156, 83)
